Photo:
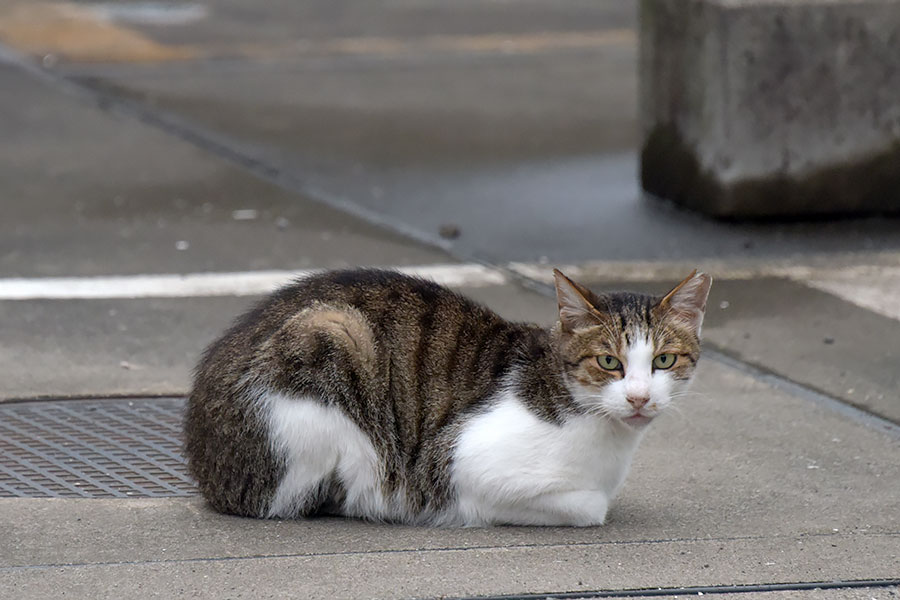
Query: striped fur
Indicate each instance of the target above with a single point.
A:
(356, 392)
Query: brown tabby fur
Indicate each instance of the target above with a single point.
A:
(407, 361)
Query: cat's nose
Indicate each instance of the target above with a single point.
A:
(637, 401)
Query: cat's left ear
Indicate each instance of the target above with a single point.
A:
(687, 300)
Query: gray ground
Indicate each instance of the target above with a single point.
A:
(356, 130)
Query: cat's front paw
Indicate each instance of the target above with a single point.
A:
(579, 508)
(585, 508)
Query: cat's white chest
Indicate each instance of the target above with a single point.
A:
(510, 466)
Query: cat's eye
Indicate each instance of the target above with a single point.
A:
(664, 361)
(610, 363)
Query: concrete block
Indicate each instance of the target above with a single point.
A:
(772, 108)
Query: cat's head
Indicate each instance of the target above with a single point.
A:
(626, 355)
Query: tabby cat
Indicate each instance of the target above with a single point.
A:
(373, 394)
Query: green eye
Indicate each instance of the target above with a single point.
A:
(664, 361)
(610, 363)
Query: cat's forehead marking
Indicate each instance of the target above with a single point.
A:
(634, 333)
(639, 354)
(631, 315)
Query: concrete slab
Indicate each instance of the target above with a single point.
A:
(424, 574)
(745, 484)
(756, 109)
(88, 193)
(810, 337)
(80, 348)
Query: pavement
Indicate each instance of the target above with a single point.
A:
(245, 143)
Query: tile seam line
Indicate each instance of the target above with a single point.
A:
(454, 549)
(111, 397)
(231, 151)
(804, 391)
(696, 590)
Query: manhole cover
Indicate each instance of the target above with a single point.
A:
(93, 449)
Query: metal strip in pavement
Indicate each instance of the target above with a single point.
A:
(248, 283)
(65, 459)
(700, 590)
(18, 481)
(25, 461)
(155, 439)
(81, 449)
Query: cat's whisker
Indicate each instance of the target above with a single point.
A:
(600, 411)
(676, 409)
(690, 395)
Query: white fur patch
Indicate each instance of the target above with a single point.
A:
(638, 368)
(511, 467)
(640, 380)
(317, 442)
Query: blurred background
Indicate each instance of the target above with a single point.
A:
(509, 130)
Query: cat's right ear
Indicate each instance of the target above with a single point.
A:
(575, 310)
(687, 301)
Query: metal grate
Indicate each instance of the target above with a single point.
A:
(93, 449)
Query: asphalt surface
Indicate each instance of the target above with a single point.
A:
(224, 137)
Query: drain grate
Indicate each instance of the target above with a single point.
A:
(93, 449)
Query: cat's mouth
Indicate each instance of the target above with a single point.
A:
(637, 420)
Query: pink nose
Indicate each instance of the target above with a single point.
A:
(637, 401)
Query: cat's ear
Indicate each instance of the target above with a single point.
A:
(575, 310)
(687, 300)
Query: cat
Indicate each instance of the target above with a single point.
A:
(372, 394)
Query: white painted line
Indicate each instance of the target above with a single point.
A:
(811, 267)
(250, 283)
(873, 287)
